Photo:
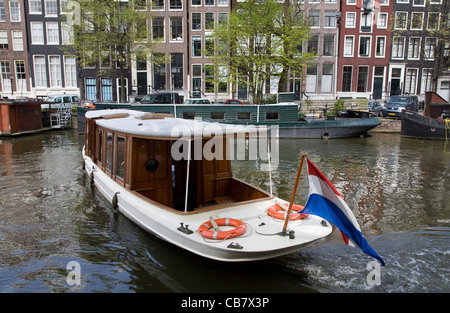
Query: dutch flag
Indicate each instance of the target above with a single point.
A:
(325, 201)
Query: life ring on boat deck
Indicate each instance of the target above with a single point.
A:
(240, 229)
(278, 212)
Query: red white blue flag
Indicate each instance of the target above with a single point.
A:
(325, 201)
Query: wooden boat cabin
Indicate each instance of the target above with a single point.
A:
(135, 150)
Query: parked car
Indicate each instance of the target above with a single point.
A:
(233, 101)
(396, 104)
(197, 101)
(161, 98)
(61, 101)
(374, 107)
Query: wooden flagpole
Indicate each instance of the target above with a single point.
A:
(283, 232)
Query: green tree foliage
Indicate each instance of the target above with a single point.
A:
(107, 33)
(260, 40)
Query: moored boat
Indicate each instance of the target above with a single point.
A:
(283, 116)
(173, 178)
(433, 124)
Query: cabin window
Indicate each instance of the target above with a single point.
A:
(243, 115)
(99, 145)
(189, 115)
(109, 151)
(272, 116)
(217, 115)
(120, 157)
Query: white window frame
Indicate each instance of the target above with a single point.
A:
(17, 40)
(396, 20)
(352, 46)
(54, 70)
(410, 85)
(37, 3)
(14, 9)
(70, 71)
(51, 4)
(411, 55)
(403, 49)
(40, 71)
(347, 18)
(383, 53)
(386, 22)
(412, 18)
(369, 48)
(37, 35)
(50, 27)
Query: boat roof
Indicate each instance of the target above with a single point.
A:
(161, 125)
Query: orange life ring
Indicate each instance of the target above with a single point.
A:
(278, 212)
(240, 229)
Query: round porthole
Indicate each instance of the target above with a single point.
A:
(151, 165)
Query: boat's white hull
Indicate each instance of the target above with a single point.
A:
(260, 241)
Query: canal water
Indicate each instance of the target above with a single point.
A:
(52, 223)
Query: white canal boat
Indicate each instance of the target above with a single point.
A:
(133, 159)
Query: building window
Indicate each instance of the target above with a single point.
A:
(381, 45)
(70, 72)
(2, 11)
(222, 2)
(52, 33)
(5, 72)
(159, 74)
(176, 29)
(430, 43)
(414, 48)
(411, 80)
(40, 71)
(209, 78)
(350, 20)
(327, 78)
(17, 40)
(328, 45)
(313, 44)
(348, 46)
(106, 89)
(196, 2)
(37, 33)
(209, 2)
(347, 78)
(426, 80)
(314, 18)
(158, 28)
(51, 7)
(311, 79)
(158, 5)
(366, 22)
(3, 40)
(35, 6)
(14, 11)
(55, 71)
(21, 80)
(176, 4)
(196, 21)
(363, 74)
(417, 20)
(433, 21)
(196, 46)
(364, 46)
(330, 19)
(382, 20)
(398, 47)
(209, 20)
(91, 92)
(401, 19)
(176, 68)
